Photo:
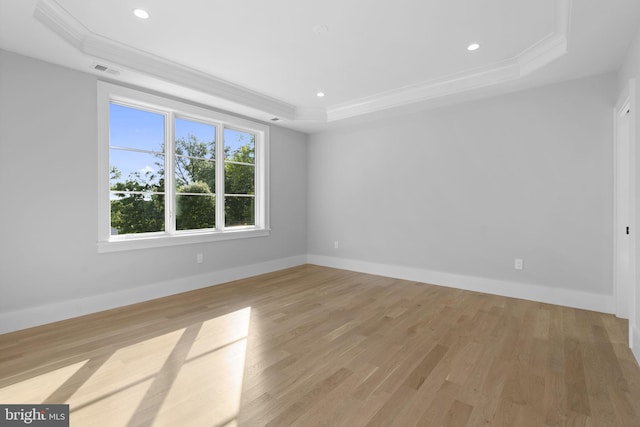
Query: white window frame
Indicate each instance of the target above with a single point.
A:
(108, 93)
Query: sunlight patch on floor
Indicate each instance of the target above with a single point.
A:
(191, 376)
(37, 389)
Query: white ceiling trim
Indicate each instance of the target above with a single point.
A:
(57, 19)
(422, 92)
(550, 48)
(545, 51)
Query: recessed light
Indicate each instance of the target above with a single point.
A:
(473, 46)
(320, 94)
(141, 13)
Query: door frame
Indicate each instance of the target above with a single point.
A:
(624, 284)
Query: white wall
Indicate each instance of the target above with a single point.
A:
(631, 70)
(452, 196)
(49, 265)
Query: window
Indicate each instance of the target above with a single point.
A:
(172, 173)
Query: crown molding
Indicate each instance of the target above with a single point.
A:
(426, 91)
(304, 114)
(542, 53)
(61, 22)
(56, 18)
(545, 51)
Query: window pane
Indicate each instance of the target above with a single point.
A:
(195, 154)
(239, 146)
(136, 213)
(239, 178)
(134, 128)
(195, 174)
(195, 211)
(190, 171)
(136, 170)
(239, 211)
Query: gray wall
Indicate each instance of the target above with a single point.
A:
(466, 189)
(48, 176)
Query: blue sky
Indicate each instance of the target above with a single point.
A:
(144, 130)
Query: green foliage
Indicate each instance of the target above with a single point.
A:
(194, 211)
(138, 212)
(195, 161)
(143, 211)
(240, 179)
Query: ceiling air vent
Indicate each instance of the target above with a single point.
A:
(104, 68)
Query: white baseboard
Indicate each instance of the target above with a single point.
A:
(558, 296)
(40, 315)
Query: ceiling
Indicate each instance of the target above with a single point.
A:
(268, 60)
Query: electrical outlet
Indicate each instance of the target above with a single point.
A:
(518, 264)
(336, 244)
(199, 258)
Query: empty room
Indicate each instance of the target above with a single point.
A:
(304, 213)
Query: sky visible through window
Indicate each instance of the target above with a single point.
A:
(144, 130)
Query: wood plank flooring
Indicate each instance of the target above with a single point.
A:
(313, 346)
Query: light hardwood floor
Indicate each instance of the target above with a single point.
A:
(316, 346)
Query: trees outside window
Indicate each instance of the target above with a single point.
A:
(175, 173)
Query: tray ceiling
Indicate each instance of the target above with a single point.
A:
(269, 59)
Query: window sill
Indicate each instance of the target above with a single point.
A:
(163, 240)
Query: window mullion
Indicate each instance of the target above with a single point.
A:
(259, 181)
(220, 219)
(169, 174)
